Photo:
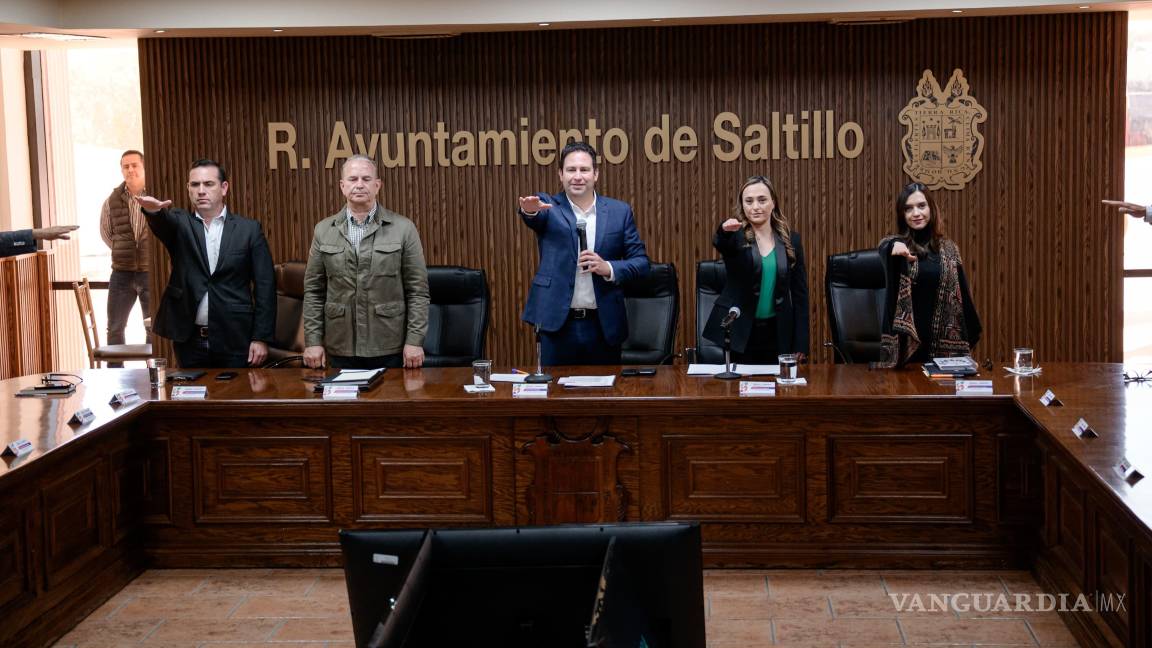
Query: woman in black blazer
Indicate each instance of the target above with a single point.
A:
(766, 279)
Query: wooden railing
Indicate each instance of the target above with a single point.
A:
(27, 319)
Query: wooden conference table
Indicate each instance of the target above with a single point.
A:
(859, 468)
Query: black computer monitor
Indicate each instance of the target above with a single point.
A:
(529, 586)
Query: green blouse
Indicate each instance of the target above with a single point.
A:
(766, 307)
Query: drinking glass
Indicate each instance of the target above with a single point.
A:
(481, 372)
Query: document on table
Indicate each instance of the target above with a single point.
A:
(588, 381)
(508, 377)
(742, 369)
(355, 375)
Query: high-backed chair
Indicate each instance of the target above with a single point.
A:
(854, 284)
(710, 277)
(289, 338)
(653, 305)
(457, 316)
(97, 352)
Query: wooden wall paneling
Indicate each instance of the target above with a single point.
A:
(27, 320)
(76, 521)
(16, 581)
(1053, 86)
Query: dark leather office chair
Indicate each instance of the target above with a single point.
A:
(289, 338)
(854, 284)
(653, 305)
(457, 316)
(710, 278)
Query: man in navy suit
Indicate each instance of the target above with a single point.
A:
(219, 308)
(24, 241)
(575, 298)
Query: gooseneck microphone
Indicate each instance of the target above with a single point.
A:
(732, 316)
(539, 376)
(729, 372)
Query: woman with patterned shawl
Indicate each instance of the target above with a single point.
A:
(928, 308)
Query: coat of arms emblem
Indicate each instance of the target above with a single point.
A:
(942, 146)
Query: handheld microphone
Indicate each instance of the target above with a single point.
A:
(732, 316)
(582, 232)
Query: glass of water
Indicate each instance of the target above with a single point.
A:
(157, 371)
(481, 372)
(789, 367)
(1022, 359)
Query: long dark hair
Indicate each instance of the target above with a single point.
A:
(779, 223)
(935, 222)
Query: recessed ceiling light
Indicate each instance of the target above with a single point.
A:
(657, 20)
(159, 31)
(957, 11)
(543, 24)
(277, 31)
(1085, 6)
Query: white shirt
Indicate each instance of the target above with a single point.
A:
(212, 235)
(584, 294)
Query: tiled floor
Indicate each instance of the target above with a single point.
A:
(307, 608)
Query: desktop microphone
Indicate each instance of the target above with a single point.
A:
(732, 316)
(832, 345)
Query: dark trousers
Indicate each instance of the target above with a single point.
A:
(124, 286)
(762, 347)
(195, 354)
(394, 361)
(578, 342)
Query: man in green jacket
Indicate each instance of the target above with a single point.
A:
(366, 284)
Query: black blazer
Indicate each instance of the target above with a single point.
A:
(742, 288)
(241, 293)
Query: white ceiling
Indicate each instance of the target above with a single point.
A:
(127, 19)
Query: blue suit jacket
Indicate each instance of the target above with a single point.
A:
(17, 242)
(617, 242)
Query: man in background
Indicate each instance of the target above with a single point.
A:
(126, 233)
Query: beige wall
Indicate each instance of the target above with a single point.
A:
(15, 176)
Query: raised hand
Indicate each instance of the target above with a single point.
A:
(731, 225)
(533, 204)
(899, 249)
(1132, 209)
(150, 204)
(53, 232)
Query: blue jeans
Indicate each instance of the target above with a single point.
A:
(124, 286)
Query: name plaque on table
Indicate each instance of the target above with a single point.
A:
(82, 417)
(341, 392)
(124, 397)
(1049, 399)
(19, 447)
(757, 388)
(1083, 430)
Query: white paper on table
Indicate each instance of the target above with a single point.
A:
(742, 369)
(588, 381)
(961, 362)
(508, 377)
(355, 375)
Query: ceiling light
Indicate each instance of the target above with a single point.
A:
(57, 37)
(159, 31)
(277, 31)
(543, 24)
(957, 11)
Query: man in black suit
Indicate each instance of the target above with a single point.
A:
(219, 308)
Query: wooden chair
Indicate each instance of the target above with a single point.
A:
(107, 352)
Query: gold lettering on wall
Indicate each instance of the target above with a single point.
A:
(813, 135)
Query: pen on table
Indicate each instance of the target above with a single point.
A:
(518, 371)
